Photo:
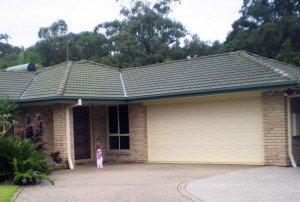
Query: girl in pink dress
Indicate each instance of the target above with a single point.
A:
(99, 157)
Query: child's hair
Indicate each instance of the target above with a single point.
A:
(98, 145)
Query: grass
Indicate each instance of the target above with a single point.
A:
(7, 192)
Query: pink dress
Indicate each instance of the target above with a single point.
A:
(99, 159)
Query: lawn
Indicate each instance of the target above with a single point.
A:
(7, 192)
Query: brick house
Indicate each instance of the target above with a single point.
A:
(233, 108)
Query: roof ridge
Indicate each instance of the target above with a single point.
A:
(54, 66)
(95, 63)
(277, 70)
(123, 84)
(182, 60)
(64, 81)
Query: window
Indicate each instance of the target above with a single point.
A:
(295, 116)
(118, 127)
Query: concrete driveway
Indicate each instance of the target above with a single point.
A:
(259, 184)
(168, 182)
(123, 182)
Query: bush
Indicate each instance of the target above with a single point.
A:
(56, 157)
(21, 162)
(33, 131)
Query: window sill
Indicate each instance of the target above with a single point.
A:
(118, 152)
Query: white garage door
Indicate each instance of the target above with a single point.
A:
(224, 129)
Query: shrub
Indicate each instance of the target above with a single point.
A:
(34, 132)
(6, 114)
(56, 157)
(20, 161)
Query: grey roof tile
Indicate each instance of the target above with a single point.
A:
(13, 84)
(46, 83)
(203, 73)
(93, 80)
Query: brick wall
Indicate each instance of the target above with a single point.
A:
(60, 139)
(54, 117)
(275, 129)
(138, 137)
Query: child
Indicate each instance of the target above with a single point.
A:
(99, 157)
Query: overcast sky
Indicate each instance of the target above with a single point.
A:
(21, 19)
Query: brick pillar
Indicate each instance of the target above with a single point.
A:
(275, 129)
(60, 138)
(138, 132)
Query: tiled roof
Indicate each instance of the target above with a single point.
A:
(88, 80)
(76, 79)
(46, 83)
(14, 84)
(208, 73)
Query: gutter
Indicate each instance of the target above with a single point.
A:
(68, 132)
(290, 145)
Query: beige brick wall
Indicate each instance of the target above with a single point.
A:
(54, 117)
(138, 137)
(47, 117)
(275, 129)
(60, 138)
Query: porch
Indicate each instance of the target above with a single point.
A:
(74, 129)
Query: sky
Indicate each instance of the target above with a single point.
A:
(21, 19)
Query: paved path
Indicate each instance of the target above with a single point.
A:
(259, 184)
(123, 182)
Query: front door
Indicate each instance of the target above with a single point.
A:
(81, 122)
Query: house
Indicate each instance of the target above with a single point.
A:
(232, 108)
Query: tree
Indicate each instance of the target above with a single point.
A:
(4, 37)
(264, 27)
(145, 36)
(287, 54)
(56, 29)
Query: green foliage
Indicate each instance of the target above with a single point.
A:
(56, 29)
(6, 114)
(287, 54)
(24, 174)
(264, 27)
(8, 53)
(145, 36)
(4, 36)
(20, 160)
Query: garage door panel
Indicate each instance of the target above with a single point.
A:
(225, 130)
